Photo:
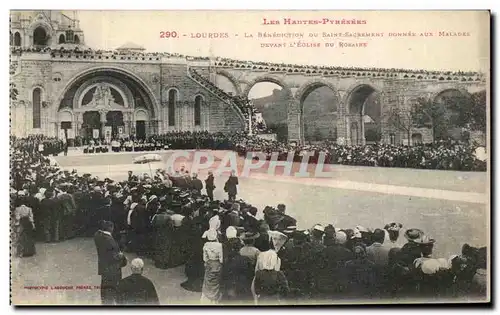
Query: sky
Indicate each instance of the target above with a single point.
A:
(111, 29)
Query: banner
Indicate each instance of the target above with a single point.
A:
(62, 135)
(121, 131)
(71, 134)
(107, 133)
(95, 133)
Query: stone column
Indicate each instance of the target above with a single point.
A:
(103, 121)
(294, 121)
(362, 129)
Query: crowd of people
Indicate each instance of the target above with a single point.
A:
(444, 155)
(232, 252)
(40, 143)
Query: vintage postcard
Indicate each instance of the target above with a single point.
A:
(249, 157)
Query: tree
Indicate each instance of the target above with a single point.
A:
(478, 112)
(281, 131)
(455, 111)
(429, 113)
(402, 120)
(317, 136)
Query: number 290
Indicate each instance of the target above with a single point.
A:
(168, 34)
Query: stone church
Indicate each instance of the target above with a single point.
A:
(66, 89)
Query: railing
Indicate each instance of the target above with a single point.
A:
(240, 108)
(403, 74)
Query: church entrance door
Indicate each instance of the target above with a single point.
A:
(140, 129)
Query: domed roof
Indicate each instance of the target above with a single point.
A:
(130, 46)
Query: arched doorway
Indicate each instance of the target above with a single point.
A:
(141, 121)
(40, 37)
(119, 90)
(363, 108)
(416, 138)
(17, 39)
(91, 121)
(77, 39)
(62, 40)
(319, 108)
(114, 119)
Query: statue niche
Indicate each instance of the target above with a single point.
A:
(103, 99)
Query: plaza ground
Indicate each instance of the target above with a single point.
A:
(450, 206)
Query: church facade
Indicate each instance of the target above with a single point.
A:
(125, 92)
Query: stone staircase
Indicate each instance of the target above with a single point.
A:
(238, 105)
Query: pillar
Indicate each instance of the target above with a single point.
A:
(294, 121)
(103, 121)
(362, 129)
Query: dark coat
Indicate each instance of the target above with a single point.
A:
(209, 182)
(231, 185)
(197, 184)
(49, 209)
(237, 276)
(137, 289)
(109, 259)
(67, 204)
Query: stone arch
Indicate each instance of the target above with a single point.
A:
(365, 88)
(231, 78)
(119, 86)
(302, 93)
(41, 29)
(177, 93)
(354, 110)
(462, 91)
(270, 79)
(311, 85)
(62, 39)
(65, 115)
(154, 107)
(141, 114)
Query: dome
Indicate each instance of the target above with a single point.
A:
(130, 46)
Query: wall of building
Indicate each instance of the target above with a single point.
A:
(54, 75)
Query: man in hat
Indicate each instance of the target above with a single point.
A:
(68, 209)
(136, 289)
(411, 250)
(361, 275)
(296, 260)
(285, 220)
(209, 185)
(110, 261)
(231, 186)
(196, 184)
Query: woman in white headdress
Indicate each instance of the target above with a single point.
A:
(213, 258)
